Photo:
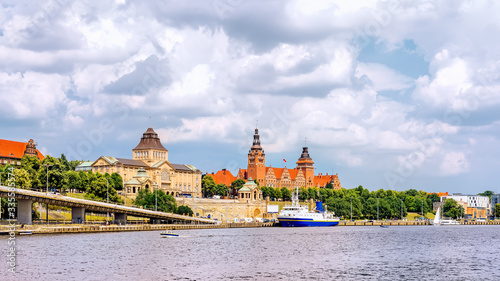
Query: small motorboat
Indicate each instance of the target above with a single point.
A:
(384, 226)
(169, 233)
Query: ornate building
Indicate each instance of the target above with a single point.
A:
(149, 168)
(11, 152)
(300, 176)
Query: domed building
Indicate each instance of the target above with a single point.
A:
(150, 168)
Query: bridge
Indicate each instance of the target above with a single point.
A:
(25, 199)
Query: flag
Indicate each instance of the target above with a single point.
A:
(284, 160)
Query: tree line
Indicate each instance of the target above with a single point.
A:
(365, 204)
(59, 174)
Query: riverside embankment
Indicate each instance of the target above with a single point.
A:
(89, 228)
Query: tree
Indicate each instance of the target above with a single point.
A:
(286, 194)
(221, 189)
(57, 173)
(451, 209)
(277, 193)
(74, 181)
(165, 203)
(184, 210)
(412, 192)
(21, 178)
(32, 165)
(487, 193)
(208, 185)
(98, 189)
(117, 181)
(65, 162)
(236, 185)
(497, 210)
(265, 191)
(329, 185)
(410, 203)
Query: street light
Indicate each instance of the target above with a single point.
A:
(124, 191)
(227, 206)
(156, 196)
(47, 209)
(351, 208)
(47, 165)
(377, 209)
(107, 199)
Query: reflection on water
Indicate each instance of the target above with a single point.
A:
(336, 253)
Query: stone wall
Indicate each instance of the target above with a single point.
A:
(218, 208)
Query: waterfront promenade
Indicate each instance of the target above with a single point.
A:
(93, 228)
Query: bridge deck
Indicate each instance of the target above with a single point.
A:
(60, 200)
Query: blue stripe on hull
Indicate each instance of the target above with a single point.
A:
(300, 223)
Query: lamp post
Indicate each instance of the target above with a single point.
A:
(377, 209)
(107, 199)
(47, 207)
(156, 197)
(124, 191)
(47, 165)
(227, 206)
(401, 209)
(351, 208)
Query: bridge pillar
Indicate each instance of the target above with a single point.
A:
(77, 215)
(120, 218)
(24, 207)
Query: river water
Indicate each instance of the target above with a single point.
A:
(334, 253)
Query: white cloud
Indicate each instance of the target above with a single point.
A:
(454, 163)
(32, 95)
(382, 77)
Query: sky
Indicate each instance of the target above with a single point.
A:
(388, 94)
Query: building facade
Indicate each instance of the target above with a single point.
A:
(300, 176)
(477, 206)
(11, 152)
(150, 168)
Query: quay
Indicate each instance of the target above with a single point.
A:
(74, 228)
(93, 228)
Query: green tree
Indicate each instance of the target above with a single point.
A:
(117, 181)
(451, 209)
(410, 203)
(165, 203)
(329, 185)
(497, 210)
(236, 185)
(208, 185)
(32, 165)
(277, 193)
(21, 178)
(487, 193)
(434, 197)
(221, 189)
(184, 210)
(98, 189)
(286, 194)
(65, 162)
(74, 181)
(412, 192)
(265, 192)
(57, 173)
(340, 207)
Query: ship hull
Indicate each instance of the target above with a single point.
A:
(297, 222)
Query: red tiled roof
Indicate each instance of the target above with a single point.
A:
(322, 180)
(223, 176)
(278, 172)
(293, 173)
(15, 149)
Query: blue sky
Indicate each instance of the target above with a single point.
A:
(389, 94)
